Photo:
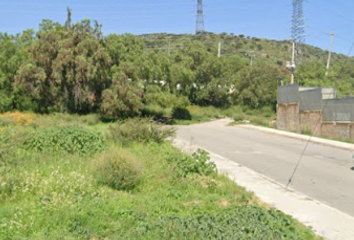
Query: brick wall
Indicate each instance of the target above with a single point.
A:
(338, 130)
(288, 117)
(310, 122)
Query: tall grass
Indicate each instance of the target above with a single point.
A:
(45, 195)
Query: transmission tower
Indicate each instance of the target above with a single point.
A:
(200, 18)
(298, 22)
(297, 30)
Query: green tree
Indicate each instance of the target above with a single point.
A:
(68, 67)
(12, 55)
(257, 85)
(122, 99)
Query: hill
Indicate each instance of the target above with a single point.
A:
(75, 68)
(273, 51)
(311, 60)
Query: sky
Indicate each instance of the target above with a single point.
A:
(269, 19)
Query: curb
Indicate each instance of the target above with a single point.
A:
(332, 143)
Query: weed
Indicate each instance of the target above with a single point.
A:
(10, 140)
(239, 117)
(242, 222)
(119, 170)
(199, 164)
(306, 131)
(68, 139)
(167, 195)
(16, 118)
(139, 130)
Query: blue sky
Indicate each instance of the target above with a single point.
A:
(257, 18)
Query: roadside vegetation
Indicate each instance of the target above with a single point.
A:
(74, 68)
(81, 155)
(71, 177)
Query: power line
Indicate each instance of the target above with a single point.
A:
(144, 4)
(98, 12)
(330, 11)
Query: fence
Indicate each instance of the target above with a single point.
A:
(310, 100)
(338, 110)
(288, 94)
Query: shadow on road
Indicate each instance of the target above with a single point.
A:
(352, 168)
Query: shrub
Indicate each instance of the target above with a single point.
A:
(181, 113)
(156, 96)
(119, 170)
(123, 99)
(199, 164)
(69, 139)
(140, 130)
(239, 117)
(16, 118)
(153, 110)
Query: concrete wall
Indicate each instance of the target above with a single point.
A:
(288, 117)
(310, 122)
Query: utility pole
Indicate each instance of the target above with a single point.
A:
(291, 65)
(219, 50)
(330, 52)
(252, 56)
(169, 47)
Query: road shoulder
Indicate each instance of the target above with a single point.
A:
(333, 143)
(325, 221)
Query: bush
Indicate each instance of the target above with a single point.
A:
(68, 139)
(140, 130)
(123, 99)
(239, 117)
(205, 113)
(153, 110)
(16, 119)
(181, 113)
(199, 164)
(119, 170)
(156, 96)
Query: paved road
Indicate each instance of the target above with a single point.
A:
(325, 173)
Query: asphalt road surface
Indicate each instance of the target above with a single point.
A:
(325, 173)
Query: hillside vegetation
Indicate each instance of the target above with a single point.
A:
(75, 68)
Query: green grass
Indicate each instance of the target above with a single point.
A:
(241, 115)
(58, 195)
